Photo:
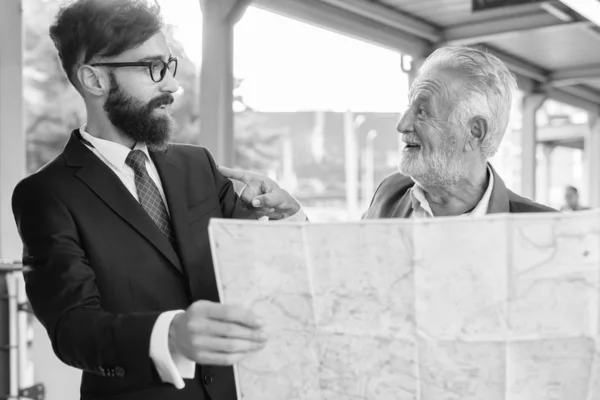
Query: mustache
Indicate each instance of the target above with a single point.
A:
(163, 100)
(410, 139)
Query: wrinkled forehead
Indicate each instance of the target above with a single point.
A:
(441, 83)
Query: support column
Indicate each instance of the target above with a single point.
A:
(531, 103)
(546, 184)
(216, 77)
(368, 181)
(12, 129)
(351, 159)
(592, 161)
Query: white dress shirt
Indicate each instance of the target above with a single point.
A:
(421, 208)
(172, 367)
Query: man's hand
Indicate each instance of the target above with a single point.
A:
(263, 195)
(216, 334)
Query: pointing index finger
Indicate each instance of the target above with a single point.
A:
(236, 174)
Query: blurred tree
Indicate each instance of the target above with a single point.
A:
(52, 106)
(256, 148)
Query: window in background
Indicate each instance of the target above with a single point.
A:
(559, 154)
(563, 168)
(53, 108)
(561, 132)
(316, 111)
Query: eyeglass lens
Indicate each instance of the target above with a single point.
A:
(159, 69)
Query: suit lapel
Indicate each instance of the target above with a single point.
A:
(404, 207)
(192, 241)
(109, 188)
(499, 201)
(172, 175)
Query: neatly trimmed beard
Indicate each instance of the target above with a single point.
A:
(136, 120)
(443, 168)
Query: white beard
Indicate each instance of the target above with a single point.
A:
(444, 168)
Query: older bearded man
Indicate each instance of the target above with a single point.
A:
(458, 113)
(459, 110)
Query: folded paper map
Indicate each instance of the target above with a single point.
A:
(499, 308)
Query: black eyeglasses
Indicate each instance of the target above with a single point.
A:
(158, 68)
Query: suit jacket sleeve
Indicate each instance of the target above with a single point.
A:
(231, 204)
(61, 288)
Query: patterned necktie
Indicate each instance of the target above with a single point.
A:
(149, 194)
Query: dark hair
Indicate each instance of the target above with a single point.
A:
(573, 189)
(87, 28)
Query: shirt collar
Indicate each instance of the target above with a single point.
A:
(419, 201)
(114, 153)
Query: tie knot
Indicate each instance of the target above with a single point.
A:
(136, 159)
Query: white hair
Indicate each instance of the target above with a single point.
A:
(489, 85)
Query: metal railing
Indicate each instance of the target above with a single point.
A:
(15, 316)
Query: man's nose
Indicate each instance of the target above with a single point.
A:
(169, 83)
(406, 123)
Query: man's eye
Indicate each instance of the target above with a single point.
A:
(422, 112)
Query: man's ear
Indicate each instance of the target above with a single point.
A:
(478, 129)
(92, 80)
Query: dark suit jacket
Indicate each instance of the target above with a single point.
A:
(99, 272)
(392, 199)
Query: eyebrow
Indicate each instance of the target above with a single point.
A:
(420, 95)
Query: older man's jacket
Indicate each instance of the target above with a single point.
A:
(392, 199)
(99, 272)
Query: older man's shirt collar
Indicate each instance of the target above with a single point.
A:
(114, 153)
(422, 209)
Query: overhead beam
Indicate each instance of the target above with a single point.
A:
(392, 18)
(502, 28)
(573, 100)
(526, 84)
(530, 76)
(365, 21)
(517, 65)
(589, 9)
(583, 92)
(345, 22)
(559, 13)
(568, 77)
